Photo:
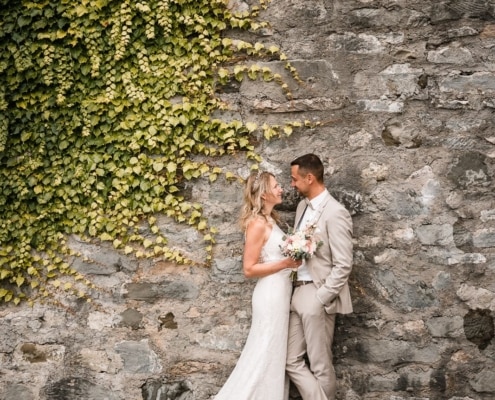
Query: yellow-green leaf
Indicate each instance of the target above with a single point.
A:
(128, 250)
(105, 236)
(158, 166)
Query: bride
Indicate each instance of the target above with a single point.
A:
(260, 371)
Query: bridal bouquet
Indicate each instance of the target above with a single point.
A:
(300, 245)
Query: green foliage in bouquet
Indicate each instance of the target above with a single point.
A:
(105, 111)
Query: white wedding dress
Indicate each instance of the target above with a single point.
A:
(260, 371)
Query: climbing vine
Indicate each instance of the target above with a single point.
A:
(105, 111)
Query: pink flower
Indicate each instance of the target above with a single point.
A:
(300, 245)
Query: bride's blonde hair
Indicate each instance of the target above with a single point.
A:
(257, 184)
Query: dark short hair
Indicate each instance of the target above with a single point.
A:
(310, 163)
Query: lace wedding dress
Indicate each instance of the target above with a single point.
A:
(260, 371)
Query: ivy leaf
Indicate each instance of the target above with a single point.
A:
(251, 126)
(60, 34)
(174, 121)
(239, 72)
(144, 185)
(157, 250)
(171, 167)
(158, 166)
(105, 236)
(25, 136)
(85, 69)
(258, 46)
(19, 280)
(268, 75)
(223, 73)
(80, 10)
(24, 20)
(183, 120)
(128, 250)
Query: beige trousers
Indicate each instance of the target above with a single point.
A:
(311, 332)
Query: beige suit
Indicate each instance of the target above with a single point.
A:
(313, 307)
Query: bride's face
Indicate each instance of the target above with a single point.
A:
(274, 194)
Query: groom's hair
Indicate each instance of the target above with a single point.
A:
(310, 163)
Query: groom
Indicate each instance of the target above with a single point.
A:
(321, 289)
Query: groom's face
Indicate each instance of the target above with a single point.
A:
(299, 182)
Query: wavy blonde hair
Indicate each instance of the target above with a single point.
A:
(257, 184)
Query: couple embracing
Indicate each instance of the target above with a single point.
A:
(293, 322)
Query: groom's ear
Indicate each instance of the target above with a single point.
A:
(310, 177)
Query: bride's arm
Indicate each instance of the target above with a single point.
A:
(257, 233)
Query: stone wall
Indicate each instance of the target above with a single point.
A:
(405, 94)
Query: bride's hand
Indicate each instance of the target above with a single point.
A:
(293, 264)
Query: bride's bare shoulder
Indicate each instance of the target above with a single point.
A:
(257, 222)
(257, 226)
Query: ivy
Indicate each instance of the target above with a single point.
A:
(105, 111)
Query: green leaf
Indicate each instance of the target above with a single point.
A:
(25, 136)
(144, 185)
(19, 280)
(158, 166)
(105, 236)
(24, 20)
(251, 126)
(80, 10)
(171, 167)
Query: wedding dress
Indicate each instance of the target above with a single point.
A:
(260, 371)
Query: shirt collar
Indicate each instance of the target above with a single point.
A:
(316, 201)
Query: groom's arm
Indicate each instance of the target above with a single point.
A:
(339, 231)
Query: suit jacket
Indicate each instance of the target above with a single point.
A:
(331, 265)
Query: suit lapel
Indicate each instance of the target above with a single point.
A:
(321, 208)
